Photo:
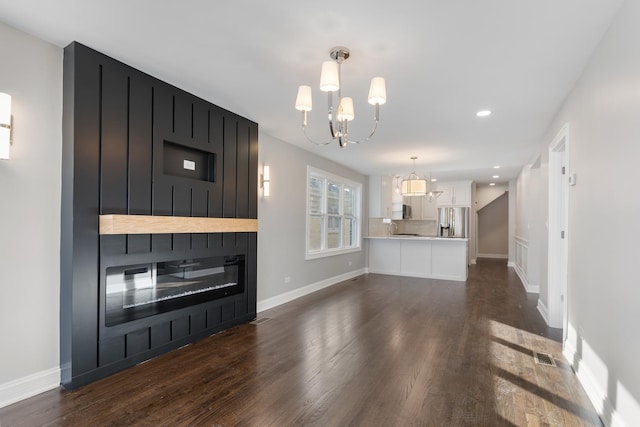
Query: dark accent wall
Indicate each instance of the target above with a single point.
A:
(124, 135)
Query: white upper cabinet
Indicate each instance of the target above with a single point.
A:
(380, 188)
(429, 208)
(454, 193)
(422, 207)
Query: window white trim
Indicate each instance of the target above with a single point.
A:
(357, 214)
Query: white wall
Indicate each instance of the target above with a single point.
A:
(486, 194)
(512, 221)
(31, 72)
(281, 236)
(603, 112)
(493, 228)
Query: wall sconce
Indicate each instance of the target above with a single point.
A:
(265, 181)
(5, 125)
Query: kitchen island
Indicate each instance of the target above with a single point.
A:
(419, 256)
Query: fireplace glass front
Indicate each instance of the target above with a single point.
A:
(138, 291)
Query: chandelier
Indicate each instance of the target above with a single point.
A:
(330, 81)
(413, 185)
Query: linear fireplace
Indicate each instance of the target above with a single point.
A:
(138, 291)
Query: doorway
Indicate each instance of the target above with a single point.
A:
(558, 255)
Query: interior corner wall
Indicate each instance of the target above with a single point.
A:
(473, 226)
(603, 113)
(512, 221)
(30, 181)
(283, 272)
(493, 228)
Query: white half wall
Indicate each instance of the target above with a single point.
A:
(283, 271)
(31, 72)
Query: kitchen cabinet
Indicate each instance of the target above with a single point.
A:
(384, 254)
(380, 189)
(415, 256)
(454, 194)
(422, 208)
(436, 258)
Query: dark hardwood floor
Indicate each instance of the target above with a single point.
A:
(374, 351)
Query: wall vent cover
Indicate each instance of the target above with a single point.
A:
(544, 359)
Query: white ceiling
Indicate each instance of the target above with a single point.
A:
(442, 59)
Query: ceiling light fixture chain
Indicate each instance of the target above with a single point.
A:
(331, 81)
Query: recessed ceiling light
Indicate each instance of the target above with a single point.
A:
(492, 184)
(496, 167)
(433, 179)
(496, 176)
(483, 113)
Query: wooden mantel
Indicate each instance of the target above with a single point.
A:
(151, 224)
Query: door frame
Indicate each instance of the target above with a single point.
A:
(558, 248)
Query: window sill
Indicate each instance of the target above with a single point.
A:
(331, 252)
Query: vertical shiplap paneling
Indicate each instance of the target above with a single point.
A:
(253, 170)
(182, 117)
(114, 150)
(163, 125)
(79, 283)
(121, 120)
(200, 190)
(182, 207)
(242, 179)
(229, 174)
(242, 171)
(217, 125)
(140, 157)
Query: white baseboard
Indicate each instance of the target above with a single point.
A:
(523, 278)
(511, 264)
(598, 396)
(473, 261)
(25, 387)
(495, 256)
(544, 311)
(305, 290)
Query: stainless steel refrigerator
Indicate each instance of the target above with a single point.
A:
(453, 222)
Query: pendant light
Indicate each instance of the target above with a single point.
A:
(412, 185)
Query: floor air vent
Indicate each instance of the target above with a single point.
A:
(260, 320)
(544, 359)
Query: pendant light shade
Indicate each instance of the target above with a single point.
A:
(414, 186)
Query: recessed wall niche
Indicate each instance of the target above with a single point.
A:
(188, 162)
(134, 145)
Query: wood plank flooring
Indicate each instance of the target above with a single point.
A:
(374, 351)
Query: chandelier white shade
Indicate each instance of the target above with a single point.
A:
(303, 101)
(345, 110)
(330, 76)
(330, 81)
(377, 91)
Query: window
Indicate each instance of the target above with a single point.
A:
(333, 214)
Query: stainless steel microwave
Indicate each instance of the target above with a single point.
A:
(406, 211)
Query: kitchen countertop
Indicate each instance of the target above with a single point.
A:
(409, 237)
